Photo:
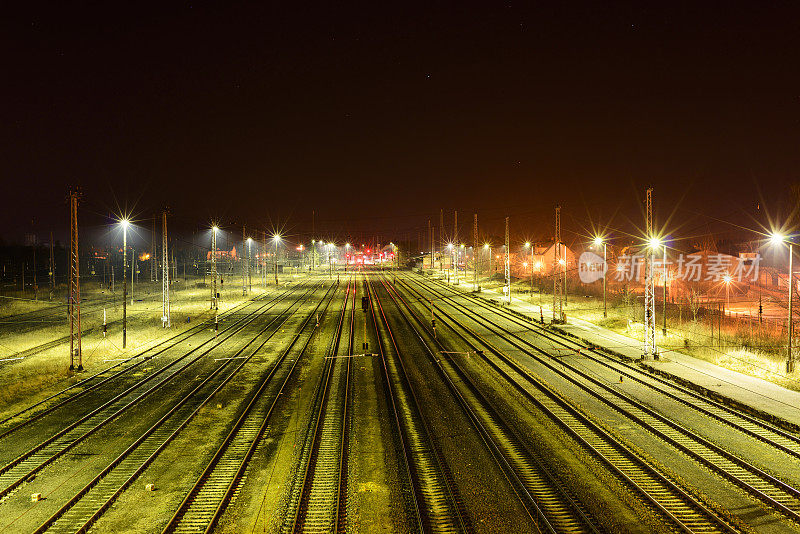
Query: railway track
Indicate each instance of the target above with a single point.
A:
(116, 371)
(436, 504)
(206, 500)
(664, 495)
(764, 431)
(34, 459)
(316, 503)
(551, 505)
(89, 503)
(767, 488)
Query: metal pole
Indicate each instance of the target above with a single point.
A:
(664, 281)
(790, 359)
(605, 274)
(244, 267)
(275, 239)
(165, 303)
(532, 246)
(475, 252)
(508, 264)
(214, 304)
(249, 274)
(650, 351)
(75, 352)
(124, 285)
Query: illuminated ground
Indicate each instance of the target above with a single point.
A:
(372, 421)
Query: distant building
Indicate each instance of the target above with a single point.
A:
(223, 254)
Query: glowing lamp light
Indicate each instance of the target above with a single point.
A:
(776, 238)
(486, 246)
(527, 244)
(249, 240)
(450, 245)
(562, 262)
(125, 223)
(654, 242)
(525, 264)
(598, 241)
(538, 265)
(214, 228)
(727, 279)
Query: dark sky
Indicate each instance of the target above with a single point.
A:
(376, 114)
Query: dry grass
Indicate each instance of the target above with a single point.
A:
(46, 372)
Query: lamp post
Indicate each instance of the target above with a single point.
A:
(302, 257)
(664, 282)
(528, 245)
(249, 277)
(459, 256)
(275, 239)
(488, 248)
(346, 255)
(777, 239)
(125, 223)
(450, 248)
(214, 303)
(599, 241)
(329, 252)
(727, 279)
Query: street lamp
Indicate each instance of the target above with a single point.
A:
(597, 242)
(249, 277)
(727, 279)
(450, 248)
(346, 255)
(776, 239)
(214, 303)
(528, 245)
(276, 239)
(124, 223)
(488, 248)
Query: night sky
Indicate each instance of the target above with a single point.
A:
(378, 114)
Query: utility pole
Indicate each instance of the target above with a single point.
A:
(165, 307)
(75, 354)
(558, 288)
(649, 286)
(244, 269)
(475, 252)
(508, 264)
(214, 303)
